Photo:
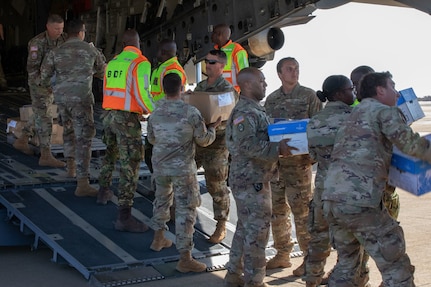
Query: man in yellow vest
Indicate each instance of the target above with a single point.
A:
(168, 63)
(237, 57)
(126, 97)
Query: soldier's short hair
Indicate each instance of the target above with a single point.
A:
(220, 54)
(370, 82)
(281, 62)
(55, 18)
(74, 26)
(172, 84)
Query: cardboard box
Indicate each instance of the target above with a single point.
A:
(212, 105)
(416, 184)
(410, 173)
(409, 105)
(15, 126)
(295, 130)
(26, 111)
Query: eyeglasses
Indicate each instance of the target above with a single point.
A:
(212, 62)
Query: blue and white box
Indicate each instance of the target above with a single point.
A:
(295, 130)
(409, 105)
(410, 173)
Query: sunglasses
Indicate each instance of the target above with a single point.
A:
(212, 62)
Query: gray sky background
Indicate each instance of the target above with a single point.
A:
(337, 40)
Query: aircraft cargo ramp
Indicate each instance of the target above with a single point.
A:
(40, 209)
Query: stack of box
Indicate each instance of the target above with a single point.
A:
(212, 105)
(295, 130)
(410, 173)
(16, 125)
(409, 106)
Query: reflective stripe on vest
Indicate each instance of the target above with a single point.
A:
(126, 85)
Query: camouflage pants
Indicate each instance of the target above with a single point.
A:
(122, 136)
(40, 122)
(187, 198)
(291, 194)
(247, 254)
(216, 165)
(319, 246)
(79, 130)
(353, 228)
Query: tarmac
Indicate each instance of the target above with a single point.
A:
(20, 266)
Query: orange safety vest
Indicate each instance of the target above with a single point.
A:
(237, 59)
(169, 66)
(126, 83)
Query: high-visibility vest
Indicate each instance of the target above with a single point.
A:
(169, 66)
(126, 83)
(237, 59)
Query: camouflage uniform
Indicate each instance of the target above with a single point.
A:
(295, 172)
(174, 129)
(321, 131)
(353, 191)
(74, 64)
(41, 97)
(214, 158)
(253, 166)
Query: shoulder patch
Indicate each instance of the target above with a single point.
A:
(238, 120)
(33, 48)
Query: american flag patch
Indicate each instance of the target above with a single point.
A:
(238, 120)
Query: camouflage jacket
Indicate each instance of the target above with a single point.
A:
(174, 128)
(362, 153)
(38, 48)
(74, 63)
(254, 157)
(221, 85)
(301, 103)
(321, 132)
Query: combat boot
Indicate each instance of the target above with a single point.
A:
(71, 167)
(126, 222)
(83, 188)
(21, 144)
(159, 241)
(233, 280)
(104, 195)
(46, 158)
(280, 260)
(188, 264)
(220, 232)
(300, 270)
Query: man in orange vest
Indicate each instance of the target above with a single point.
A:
(237, 57)
(126, 97)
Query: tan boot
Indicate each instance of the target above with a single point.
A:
(233, 280)
(300, 270)
(21, 144)
(159, 241)
(220, 232)
(104, 195)
(281, 260)
(325, 278)
(46, 159)
(71, 167)
(83, 188)
(126, 222)
(188, 264)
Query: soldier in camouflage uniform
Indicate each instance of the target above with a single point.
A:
(254, 164)
(292, 193)
(126, 97)
(214, 158)
(321, 131)
(356, 180)
(74, 63)
(41, 97)
(174, 129)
